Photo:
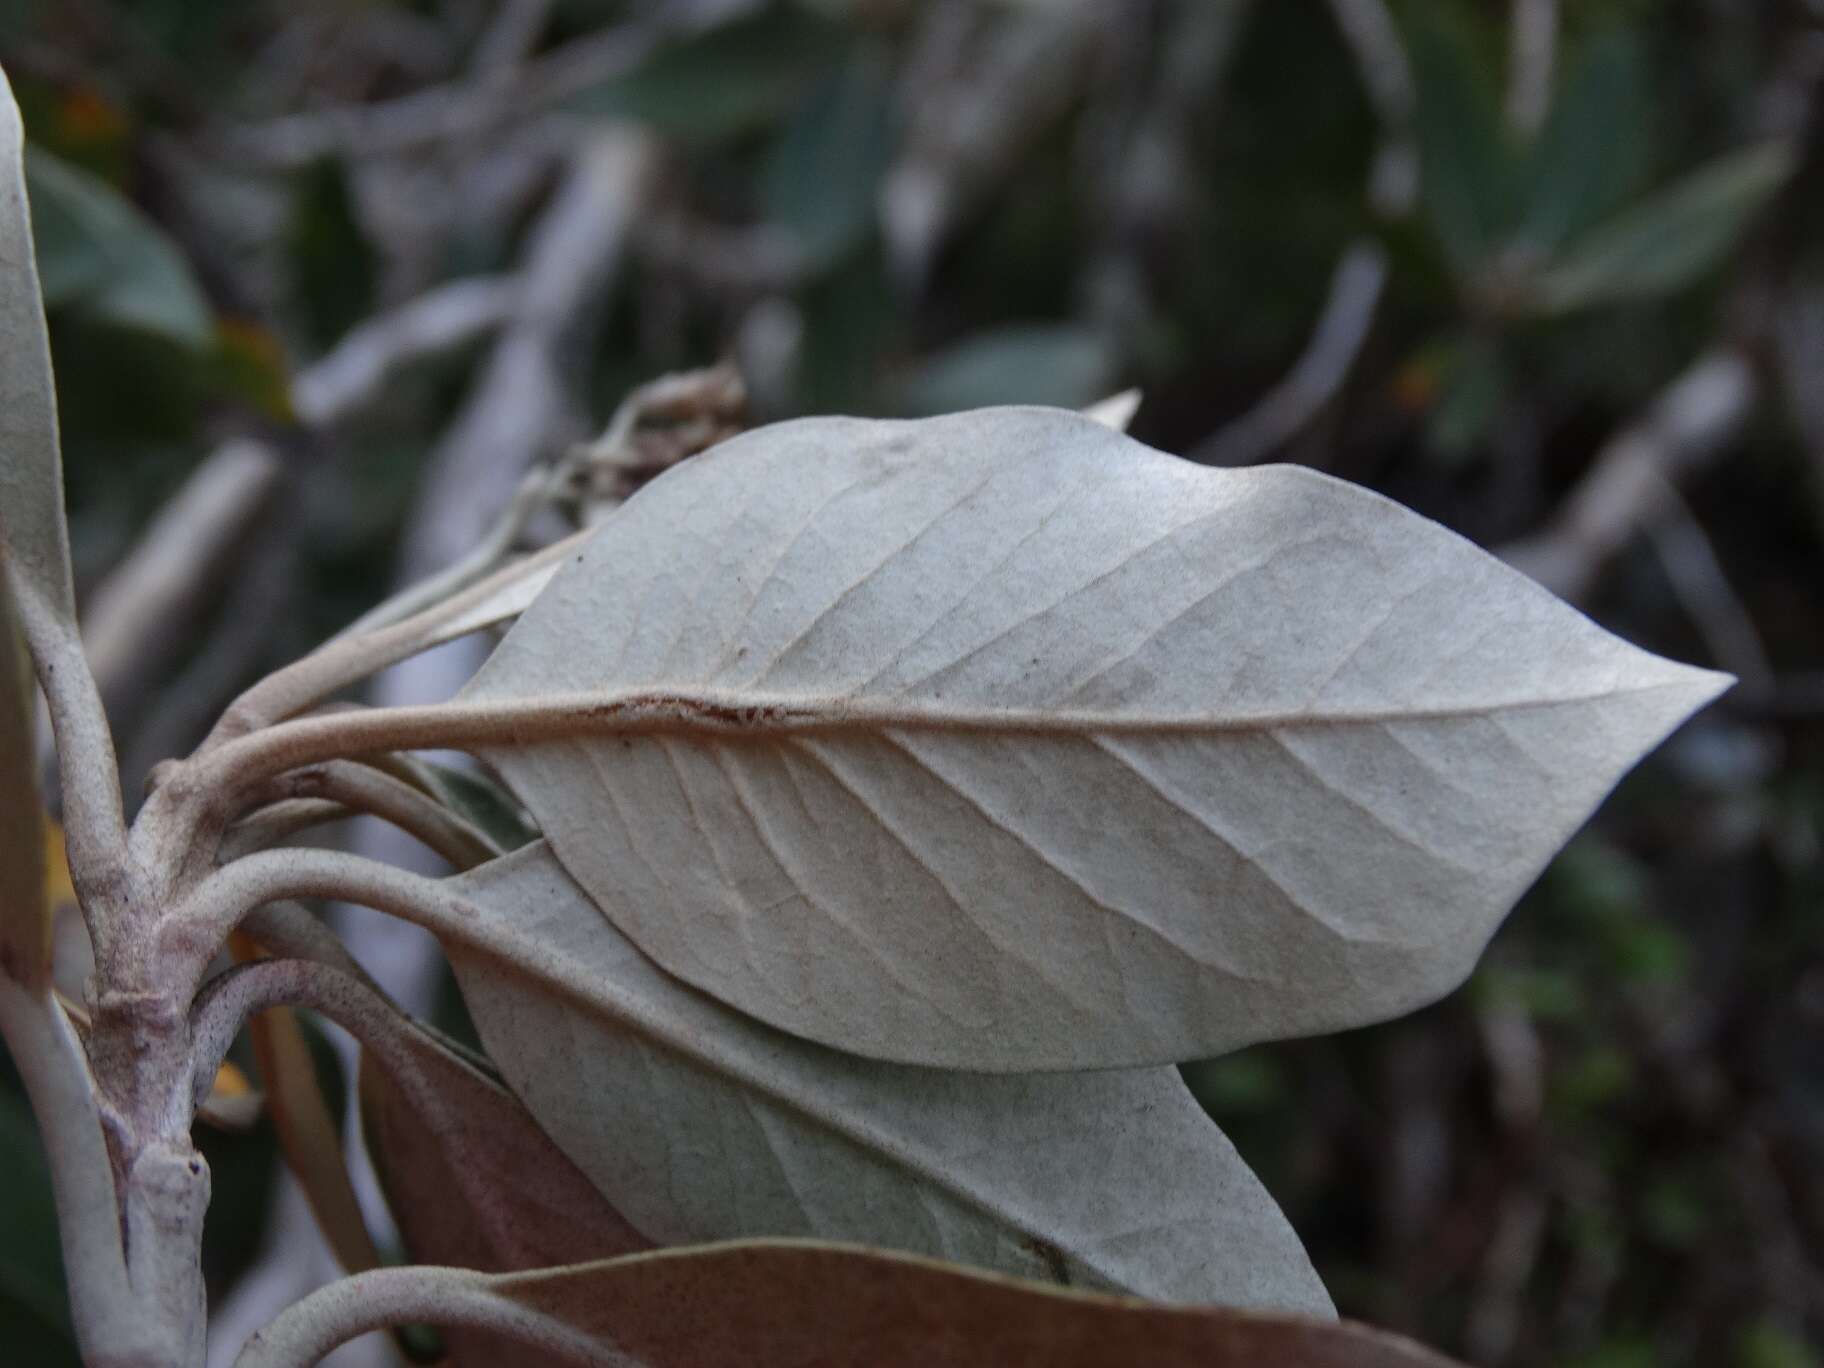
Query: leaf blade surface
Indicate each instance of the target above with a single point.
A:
(1000, 741)
(697, 1123)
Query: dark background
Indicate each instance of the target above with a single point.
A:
(1579, 317)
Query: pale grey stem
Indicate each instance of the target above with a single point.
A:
(351, 658)
(94, 817)
(1532, 47)
(290, 931)
(361, 788)
(479, 564)
(229, 999)
(457, 1298)
(233, 891)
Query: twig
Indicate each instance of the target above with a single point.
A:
(1532, 48)
(360, 788)
(518, 404)
(468, 108)
(456, 1298)
(356, 655)
(1690, 421)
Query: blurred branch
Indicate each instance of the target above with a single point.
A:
(352, 373)
(1691, 420)
(971, 109)
(1361, 274)
(1319, 372)
(519, 405)
(1532, 48)
(136, 618)
(471, 107)
(1703, 588)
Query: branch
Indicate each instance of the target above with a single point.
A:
(457, 1298)
(359, 788)
(1688, 424)
(469, 108)
(354, 656)
(134, 619)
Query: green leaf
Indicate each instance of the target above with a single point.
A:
(1670, 239)
(1468, 168)
(1593, 145)
(1064, 365)
(823, 176)
(725, 82)
(108, 261)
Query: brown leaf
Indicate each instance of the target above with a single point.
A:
(788, 1303)
(473, 1181)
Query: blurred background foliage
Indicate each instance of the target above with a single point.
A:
(1551, 274)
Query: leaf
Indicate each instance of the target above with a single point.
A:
(791, 1304)
(470, 1176)
(1064, 364)
(822, 178)
(1116, 411)
(25, 905)
(472, 1180)
(697, 1123)
(1000, 741)
(34, 541)
(106, 260)
(1592, 145)
(1668, 240)
(1467, 166)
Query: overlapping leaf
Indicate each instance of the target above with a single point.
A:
(1000, 741)
(792, 1304)
(697, 1123)
(472, 1180)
